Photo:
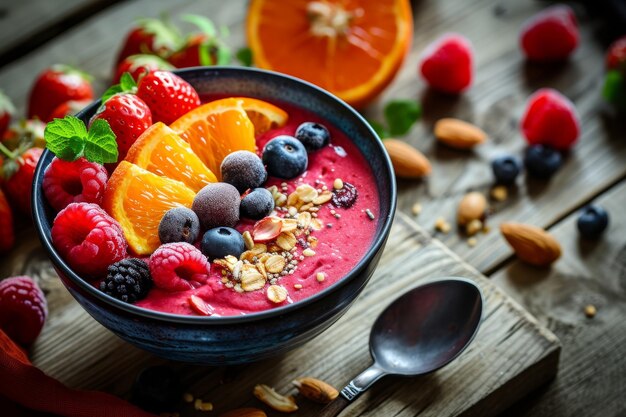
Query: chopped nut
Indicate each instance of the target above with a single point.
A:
(416, 209)
(277, 293)
(369, 214)
(316, 390)
(472, 241)
(320, 277)
(297, 286)
(289, 225)
(442, 225)
(499, 193)
(308, 252)
(590, 311)
(338, 184)
(275, 400)
(286, 241)
(304, 219)
(474, 227)
(306, 207)
(306, 193)
(247, 240)
(312, 241)
(323, 198)
(275, 264)
(202, 406)
(187, 397)
(292, 211)
(252, 280)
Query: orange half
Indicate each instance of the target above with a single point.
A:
(138, 199)
(161, 151)
(353, 48)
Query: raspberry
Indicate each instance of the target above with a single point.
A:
(551, 35)
(447, 64)
(178, 267)
(346, 196)
(23, 309)
(79, 181)
(88, 239)
(550, 119)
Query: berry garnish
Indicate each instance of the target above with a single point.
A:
(593, 220)
(157, 389)
(222, 241)
(178, 267)
(506, 169)
(7, 233)
(542, 161)
(139, 65)
(217, 205)
(179, 224)
(79, 181)
(447, 64)
(201, 48)
(257, 204)
(551, 35)
(313, 135)
(150, 36)
(69, 139)
(128, 280)
(168, 96)
(88, 239)
(345, 196)
(285, 157)
(18, 171)
(23, 309)
(550, 119)
(616, 55)
(244, 170)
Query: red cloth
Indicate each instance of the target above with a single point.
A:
(26, 391)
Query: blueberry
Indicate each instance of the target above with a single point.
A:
(542, 161)
(222, 241)
(506, 169)
(157, 389)
(217, 205)
(179, 224)
(313, 135)
(592, 222)
(257, 204)
(285, 157)
(244, 170)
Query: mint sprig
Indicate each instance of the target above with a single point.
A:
(127, 85)
(69, 139)
(244, 55)
(400, 116)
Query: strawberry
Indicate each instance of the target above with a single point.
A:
(150, 36)
(551, 35)
(447, 64)
(7, 110)
(18, 171)
(69, 107)
(616, 55)
(139, 65)
(55, 86)
(7, 236)
(201, 49)
(128, 115)
(25, 134)
(168, 96)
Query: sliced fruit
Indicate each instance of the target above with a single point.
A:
(138, 199)
(162, 152)
(215, 130)
(263, 115)
(351, 48)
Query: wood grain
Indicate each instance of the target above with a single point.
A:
(492, 374)
(591, 376)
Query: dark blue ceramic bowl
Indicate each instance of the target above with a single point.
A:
(238, 339)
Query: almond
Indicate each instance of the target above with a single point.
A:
(316, 390)
(275, 400)
(244, 412)
(459, 134)
(531, 244)
(407, 161)
(471, 207)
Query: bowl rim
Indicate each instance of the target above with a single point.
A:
(378, 240)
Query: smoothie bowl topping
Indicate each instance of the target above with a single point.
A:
(227, 206)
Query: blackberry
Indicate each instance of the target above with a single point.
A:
(346, 196)
(128, 280)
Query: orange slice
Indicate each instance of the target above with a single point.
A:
(215, 130)
(162, 152)
(353, 48)
(138, 199)
(263, 115)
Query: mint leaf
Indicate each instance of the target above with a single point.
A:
(400, 115)
(127, 83)
(244, 55)
(111, 91)
(101, 146)
(66, 137)
(379, 128)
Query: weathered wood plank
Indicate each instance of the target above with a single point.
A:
(591, 376)
(489, 376)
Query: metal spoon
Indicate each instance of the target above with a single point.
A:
(420, 332)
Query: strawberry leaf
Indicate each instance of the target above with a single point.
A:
(127, 82)
(101, 146)
(223, 55)
(66, 137)
(111, 91)
(244, 55)
(205, 25)
(127, 85)
(204, 54)
(400, 115)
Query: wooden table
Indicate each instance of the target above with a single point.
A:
(87, 33)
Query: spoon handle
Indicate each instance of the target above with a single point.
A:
(359, 384)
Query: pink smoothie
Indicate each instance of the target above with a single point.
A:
(341, 243)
